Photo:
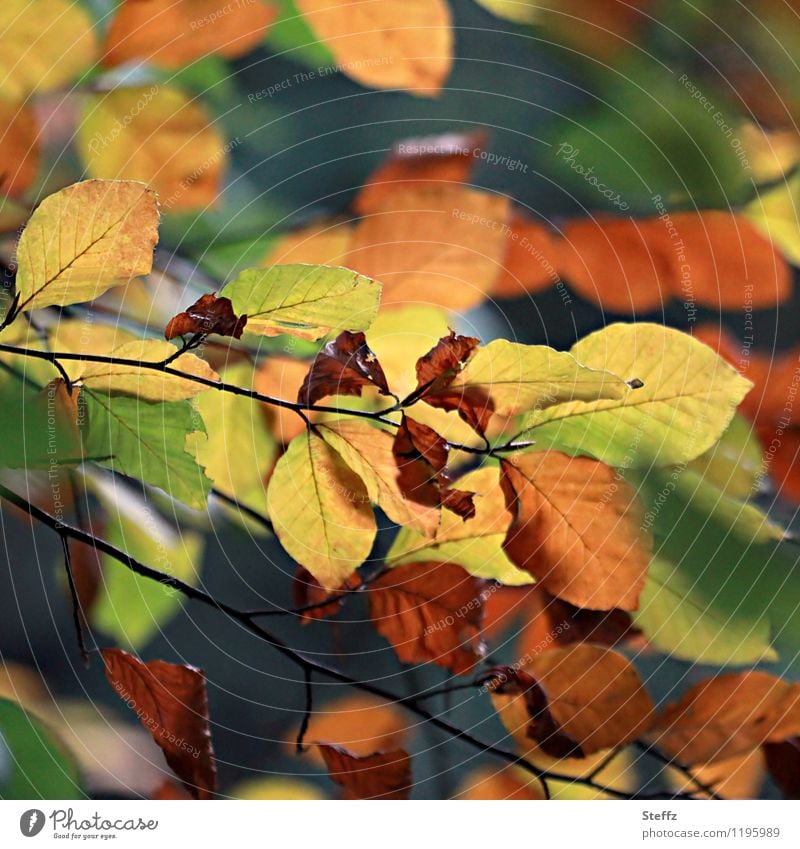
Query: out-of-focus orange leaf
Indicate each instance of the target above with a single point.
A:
(430, 613)
(173, 33)
(782, 457)
(573, 701)
(415, 163)
(19, 148)
(489, 784)
(783, 763)
(577, 528)
(169, 791)
(171, 703)
(728, 715)
(386, 44)
(380, 775)
(281, 377)
(324, 242)
(307, 591)
(739, 777)
(209, 314)
(533, 259)
(440, 245)
(343, 367)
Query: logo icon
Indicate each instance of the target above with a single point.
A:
(31, 822)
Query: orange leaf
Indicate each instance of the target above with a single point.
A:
(533, 259)
(728, 715)
(381, 775)
(19, 149)
(323, 242)
(577, 528)
(170, 701)
(173, 33)
(430, 613)
(501, 784)
(280, 377)
(415, 163)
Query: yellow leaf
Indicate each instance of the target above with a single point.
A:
(44, 44)
(278, 788)
(688, 399)
(519, 11)
(173, 33)
(85, 239)
(19, 148)
(776, 214)
(476, 545)
(147, 384)
(320, 510)
(386, 43)
(159, 136)
(441, 245)
(308, 301)
(368, 452)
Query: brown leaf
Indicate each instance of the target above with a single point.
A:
(382, 775)
(344, 367)
(171, 703)
(783, 763)
(430, 613)
(169, 791)
(209, 314)
(448, 158)
(421, 457)
(574, 701)
(19, 148)
(307, 591)
(727, 715)
(576, 527)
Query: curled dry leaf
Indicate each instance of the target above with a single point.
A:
(307, 593)
(417, 162)
(728, 715)
(381, 775)
(208, 314)
(171, 703)
(344, 367)
(573, 702)
(421, 457)
(577, 528)
(430, 613)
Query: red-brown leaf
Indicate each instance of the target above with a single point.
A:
(421, 456)
(783, 763)
(343, 367)
(209, 314)
(307, 591)
(382, 775)
(430, 613)
(171, 703)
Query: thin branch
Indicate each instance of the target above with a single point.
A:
(243, 508)
(309, 690)
(77, 613)
(682, 768)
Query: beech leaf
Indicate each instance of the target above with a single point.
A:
(382, 775)
(208, 314)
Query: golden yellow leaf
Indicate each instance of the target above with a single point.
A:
(157, 135)
(321, 510)
(85, 336)
(85, 239)
(368, 452)
(44, 44)
(173, 33)
(441, 245)
(147, 384)
(386, 43)
(277, 788)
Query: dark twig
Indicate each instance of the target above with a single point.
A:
(676, 765)
(309, 690)
(77, 613)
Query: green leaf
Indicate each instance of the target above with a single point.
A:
(291, 35)
(129, 608)
(308, 301)
(320, 509)
(736, 463)
(36, 765)
(688, 399)
(146, 441)
(476, 545)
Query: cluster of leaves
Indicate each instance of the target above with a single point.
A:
(513, 472)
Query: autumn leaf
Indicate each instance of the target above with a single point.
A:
(343, 367)
(419, 162)
(519, 11)
(688, 398)
(19, 149)
(368, 452)
(308, 593)
(325, 241)
(208, 314)
(382, 775)
(488, 783)
(728, 715)
(388, 44)
(85, 239)
(430, 613)
(783, 763)
(308, 301)
(280, 377)
(320, 510)
(573, 702)
(440, 244)
(421, 458)
(532, 261)
(45, 44)
(173, 33)
(158, 135)
(172, 705)
(577, 528)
